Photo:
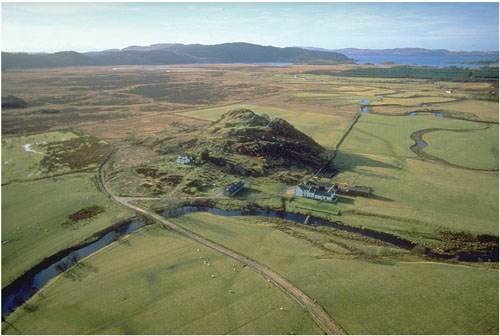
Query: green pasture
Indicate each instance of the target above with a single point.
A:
(33, 217)
(444, 198)
(364, 295)
(325, 129)
(484, 110)
(155, 281)
(20, 164)
(307, 206)
(476, 149)
(417, 101)
(390, 135)
(377, 154)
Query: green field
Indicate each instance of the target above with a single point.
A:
(48, 154)
(155, 282)
(412, 101)
(20, 164)
(485, 110)
(377, 154)
(365, 295)
(325, 129)
(35, 219)
(477, 149)
(390, 135)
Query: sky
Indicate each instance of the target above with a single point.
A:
(51, 27)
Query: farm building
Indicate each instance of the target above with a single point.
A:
(233, 189)
(183, 160)
(316, 192)
(355, 190)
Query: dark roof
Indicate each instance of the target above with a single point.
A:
(234, 188)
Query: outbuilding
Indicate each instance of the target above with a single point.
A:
(233, 189)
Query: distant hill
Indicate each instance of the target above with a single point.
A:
(352, 52)
(173, 54)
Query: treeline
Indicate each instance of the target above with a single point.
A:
(433, 73)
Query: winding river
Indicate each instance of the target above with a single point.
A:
(25, 287)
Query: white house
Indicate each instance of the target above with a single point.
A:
(183, 160)
(315, 192)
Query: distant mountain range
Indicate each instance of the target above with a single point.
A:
(159, 54)
(353, 52)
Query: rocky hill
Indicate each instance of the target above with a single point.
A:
(243, 142)
(255, 144)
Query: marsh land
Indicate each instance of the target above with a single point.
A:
(85, 149)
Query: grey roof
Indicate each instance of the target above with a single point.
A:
(234, 187)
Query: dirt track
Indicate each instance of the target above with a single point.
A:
(318, 314)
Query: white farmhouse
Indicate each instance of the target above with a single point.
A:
(183, 160)
(315, 192)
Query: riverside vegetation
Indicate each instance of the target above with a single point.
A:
(443, 198)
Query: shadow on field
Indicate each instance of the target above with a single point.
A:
(247, 191)
(381, 198)
(349, 161)
(80, 271)
(344, 200)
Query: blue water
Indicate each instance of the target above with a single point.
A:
(413, 114)
(438, 61)
(438, 115)
(264, 63)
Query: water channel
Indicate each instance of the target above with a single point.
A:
(27, 285)
(315, 222)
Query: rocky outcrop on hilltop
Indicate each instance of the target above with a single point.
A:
(273, 143)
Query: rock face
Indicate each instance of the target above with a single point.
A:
(275, 143)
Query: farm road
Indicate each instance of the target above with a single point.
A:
(318, 314)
